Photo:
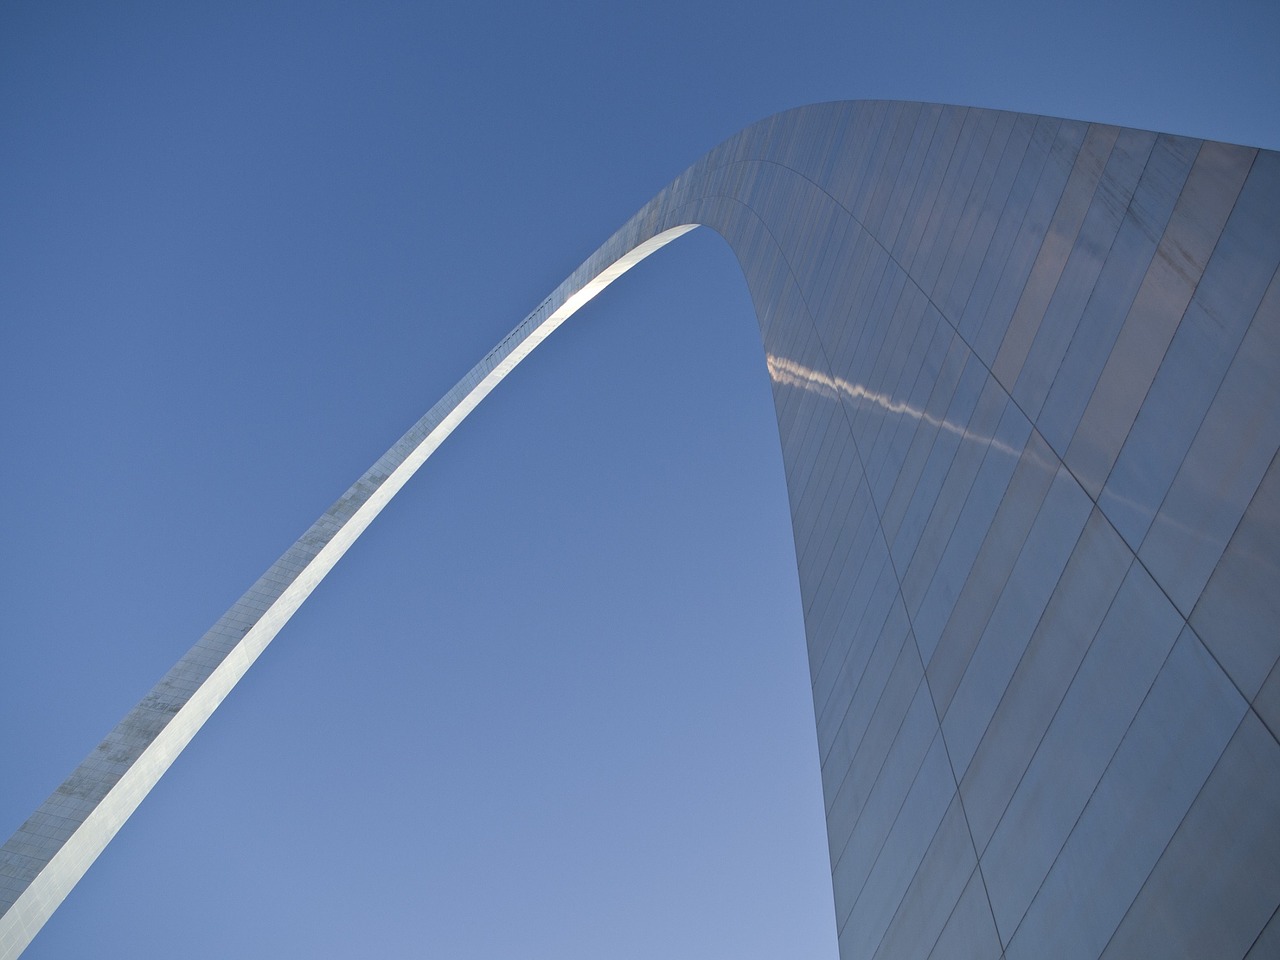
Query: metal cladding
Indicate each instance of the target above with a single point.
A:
(1027, 379)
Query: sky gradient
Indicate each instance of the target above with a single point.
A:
(554, 703)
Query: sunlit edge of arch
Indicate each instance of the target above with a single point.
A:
(44, 893)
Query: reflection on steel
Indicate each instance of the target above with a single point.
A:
(792, 374)
(1027, 379)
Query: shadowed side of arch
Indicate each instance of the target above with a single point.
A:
(1025, 375)
(1016, 365)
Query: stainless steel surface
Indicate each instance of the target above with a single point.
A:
(1025, 373)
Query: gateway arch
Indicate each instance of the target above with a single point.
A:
(1027, 381)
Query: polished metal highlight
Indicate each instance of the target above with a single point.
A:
(1027, 380)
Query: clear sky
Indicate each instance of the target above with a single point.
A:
(554, 704)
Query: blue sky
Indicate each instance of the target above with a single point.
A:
(554, 704)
